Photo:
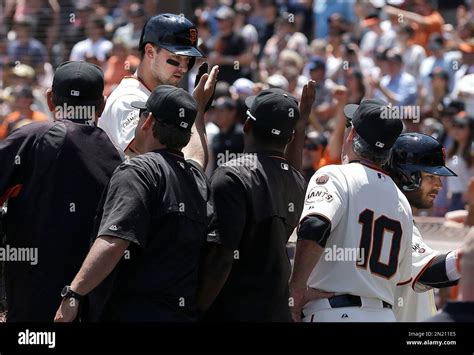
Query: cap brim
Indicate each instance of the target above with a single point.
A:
(350, 109)
(141, 105)
(435, 170)
(249, 100)
(187, 51)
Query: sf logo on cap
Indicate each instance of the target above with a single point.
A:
(75, 93)
(193, 35)
(184, 124)
(380, 144)
(276, 132)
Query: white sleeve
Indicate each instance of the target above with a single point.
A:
(422, 256)
(121, 119)
(326, 195)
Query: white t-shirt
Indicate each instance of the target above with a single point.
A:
(119, 118)
(415, 302)
(368, 213)
(98, 49)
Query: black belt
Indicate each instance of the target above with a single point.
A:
(350, 301)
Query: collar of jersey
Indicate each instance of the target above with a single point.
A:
(369, 166)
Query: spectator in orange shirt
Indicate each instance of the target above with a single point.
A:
(21, 111)
(122, 63)
(425, 19)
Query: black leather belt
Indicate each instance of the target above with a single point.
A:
(350, 301)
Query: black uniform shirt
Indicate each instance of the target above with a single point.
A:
(258, 200)
(159, 202)
(53, 174)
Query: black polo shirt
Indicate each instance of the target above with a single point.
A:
(258, 200)
(159, 202)
(53, 174)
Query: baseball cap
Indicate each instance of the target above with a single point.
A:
(78, 80)
(316, 63)
(224, 102)
(274, 112)
(436, 41)
(171, 105)
(224, 13)
(242, 86)
(370, 124)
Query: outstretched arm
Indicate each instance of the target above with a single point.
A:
(203, 93)
(294, 150)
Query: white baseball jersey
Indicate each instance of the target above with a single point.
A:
(119, 118)
(368, 251)
(411, 306)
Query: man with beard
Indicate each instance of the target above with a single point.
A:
(416, 163)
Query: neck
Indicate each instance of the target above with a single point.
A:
(144, 75)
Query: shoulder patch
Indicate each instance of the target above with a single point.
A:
(322, 179)
(318, 194)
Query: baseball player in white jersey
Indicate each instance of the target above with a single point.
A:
(416, 163)
(168, 48)
(354, 236)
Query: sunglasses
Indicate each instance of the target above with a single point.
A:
(143, 112)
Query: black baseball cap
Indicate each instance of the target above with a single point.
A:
(79, 81)
(171, 105)
(274, 112)
(371, 120)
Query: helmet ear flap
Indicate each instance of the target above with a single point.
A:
(412, 181)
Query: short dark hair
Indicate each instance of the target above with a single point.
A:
(170, 136)
(366, 151)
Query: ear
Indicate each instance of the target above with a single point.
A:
(247, 126)
(49, 100)
(149, 50)
(149, 121)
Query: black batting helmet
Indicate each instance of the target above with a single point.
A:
(413, 153)
(174, 33)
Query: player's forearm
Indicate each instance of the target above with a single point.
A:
(197, 146)
(294, 150)
(215, 269)
(337, 136)
(104, 255)
(307, 255)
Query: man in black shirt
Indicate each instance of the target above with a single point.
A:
(53, 174)
(257, 200)
(156, 206)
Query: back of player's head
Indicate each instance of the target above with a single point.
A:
(174, 111)
(77, 91)
(273, 114)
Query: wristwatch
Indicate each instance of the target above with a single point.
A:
(67, 292)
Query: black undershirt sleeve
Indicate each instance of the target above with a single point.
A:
(435, 274)
(316, 228)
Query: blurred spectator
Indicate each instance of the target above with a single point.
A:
(463, 83)
(239, 91)
(323, 10)
(230, 138)
(22, 111)
(278, 81)
(130, 33)
(247, 30)
(95, 46)
(120, 64)
(461, 160)
(313, 150)
(26, 49)
(412, 53)
(424, 17)
(323, 107)
(75, 30)
(355, 86)
(375, 38)
(397, 86)
(265, 24)
(439, 90)
(230, 50)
